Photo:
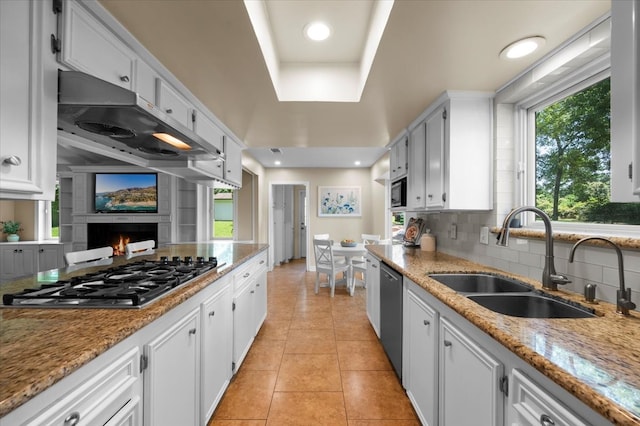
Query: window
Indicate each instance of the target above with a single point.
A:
(570, 142)
(223, 200)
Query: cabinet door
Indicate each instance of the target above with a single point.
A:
(28, 83)
(171, 380)
(469, 379)
(243, 324)
(260, 305)
(373, 292)
(217, 350)
(531, 405)
(625, 101)
(435, 136)
(89, 47)
(174, 104)
(19, 261)
(420, 359)
(7, 262)
(208, 130)
(233, 162)
(398, 158)
(50, 256)
(416, 172)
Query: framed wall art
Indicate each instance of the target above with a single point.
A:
(339, 201)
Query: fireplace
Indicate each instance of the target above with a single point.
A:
(117, 235)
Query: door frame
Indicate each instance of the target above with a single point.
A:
(307, 218)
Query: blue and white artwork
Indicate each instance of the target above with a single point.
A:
(336, 201)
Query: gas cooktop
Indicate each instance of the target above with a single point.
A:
(134, 285)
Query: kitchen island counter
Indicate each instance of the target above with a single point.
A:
(596, 359)
(39, 347)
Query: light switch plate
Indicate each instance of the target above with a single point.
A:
(484, 235)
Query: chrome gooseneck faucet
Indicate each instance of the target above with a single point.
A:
(550, 279)
(623, 295)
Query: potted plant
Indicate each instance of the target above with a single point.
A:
(11, 228)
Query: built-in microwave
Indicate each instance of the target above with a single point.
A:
(399, 193)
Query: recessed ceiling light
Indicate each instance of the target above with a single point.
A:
(357, 163)
(277, 162)
(317, 31)
(521, 48)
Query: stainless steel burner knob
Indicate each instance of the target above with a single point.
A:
(164, 260)
(176, 258)
(200, 259)
(188, 260)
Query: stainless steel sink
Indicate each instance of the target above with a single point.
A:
(530, 305)
(481, 283)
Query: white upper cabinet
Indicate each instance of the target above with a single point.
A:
(625, 101)
(450, 154)
(174, 104)
(89, 47)
(416, 175)
(28, 113)
(398, 158)
(209, 131)
(233, 162)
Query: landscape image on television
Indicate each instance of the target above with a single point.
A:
(126, 193)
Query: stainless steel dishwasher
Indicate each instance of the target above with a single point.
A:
(391, 316)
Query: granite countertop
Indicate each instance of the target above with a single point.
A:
(38, 347)
(595, 359)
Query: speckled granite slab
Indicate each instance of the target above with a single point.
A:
(38, 347)
(596, 359)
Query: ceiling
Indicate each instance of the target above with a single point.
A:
(428, 46)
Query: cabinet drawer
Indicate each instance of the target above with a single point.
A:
(534, 405)
(248, 272)
(98, 399)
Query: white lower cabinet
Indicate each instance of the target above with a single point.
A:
(531, 405)
(171, 380)
(109, 395)
(469, 378)
(373, 292)
(456, 374)
(215, 363)
(420, 362)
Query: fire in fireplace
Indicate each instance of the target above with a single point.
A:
(118, 235)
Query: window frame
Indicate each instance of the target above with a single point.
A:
(524, 118)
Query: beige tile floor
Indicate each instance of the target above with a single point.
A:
(316, 361)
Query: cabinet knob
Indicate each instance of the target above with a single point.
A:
(425, 322)
(253, 291)
(430, 195)
(124, 78)
(72, 419)
(546, 420)
(418, 197)
(13, 160)
(246, 275)
(447, 343)
(192, 331)
(169, 111)
(212, 313)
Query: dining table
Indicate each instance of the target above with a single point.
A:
(349, 252)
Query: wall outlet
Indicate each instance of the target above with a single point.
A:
(453, 231)
(484, 235)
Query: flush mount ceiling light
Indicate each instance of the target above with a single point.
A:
(317, 31)
(523, 47)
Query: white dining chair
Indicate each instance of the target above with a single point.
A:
(359, 263)
(321, 237)
(140, 248)
(85, 258)
(327, 264)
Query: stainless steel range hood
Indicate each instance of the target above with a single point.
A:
(112, 119)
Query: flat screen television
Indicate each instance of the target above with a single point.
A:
(126, 193)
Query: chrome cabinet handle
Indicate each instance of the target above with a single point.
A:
(124, 78)
(546, 420)
(72, 419)
(169, 111)
(192, 331)
(425, 322)
(13, 160)
(447, 343)
(212, 313)
(253, 291)
(261, 262)
(246, 275)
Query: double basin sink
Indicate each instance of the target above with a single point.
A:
(511, 297)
